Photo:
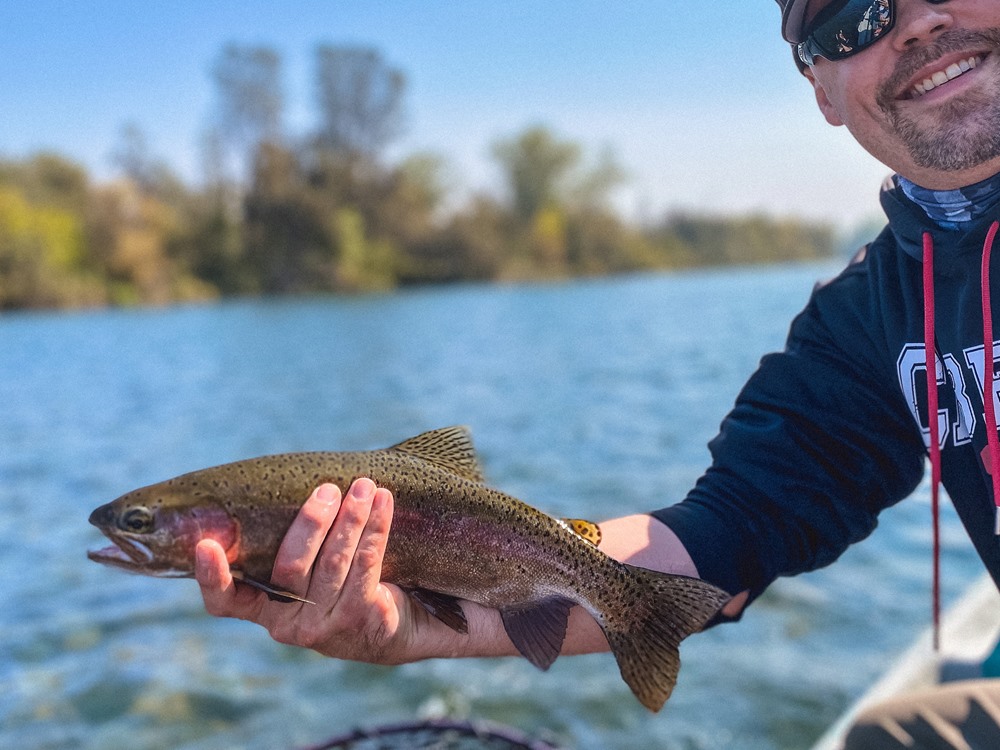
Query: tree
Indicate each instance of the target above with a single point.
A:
(250, 103)
(132, 157)
(288, 248)
(721, 240)
(360, 98)
(42, 256)
(536, 166)
(592, 190)
(48, 179)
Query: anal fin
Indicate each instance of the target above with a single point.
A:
(274, 594)
(445, 608)
(538, 629)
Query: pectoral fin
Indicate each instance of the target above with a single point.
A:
(538, 630)
(274, 594)
(446, 608)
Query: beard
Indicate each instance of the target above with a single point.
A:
(958, 134)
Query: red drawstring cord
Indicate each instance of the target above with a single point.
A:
(935, 437)
(992, 439)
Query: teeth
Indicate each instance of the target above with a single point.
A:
(146, 551)
(943, 76)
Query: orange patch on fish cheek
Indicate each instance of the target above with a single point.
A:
(231, 542)
(205, 524)
(233, 552)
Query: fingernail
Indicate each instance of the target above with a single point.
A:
(363, 490)
(327, 493)
(203, 558)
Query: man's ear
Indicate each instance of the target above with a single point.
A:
(825, 105)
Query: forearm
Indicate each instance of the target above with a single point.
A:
(643, 541)
(637, 540)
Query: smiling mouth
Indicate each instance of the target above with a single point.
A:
(942, 77)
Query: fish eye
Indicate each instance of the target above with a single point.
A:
(136, 520)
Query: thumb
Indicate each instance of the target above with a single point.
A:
(211, 570)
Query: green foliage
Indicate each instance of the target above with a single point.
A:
(362, 264)
(536, 165)
(325, 212)
(40, 253)
(66, 243)
(708, 240)
(49, 180)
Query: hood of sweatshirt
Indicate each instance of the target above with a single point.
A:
(909, 223)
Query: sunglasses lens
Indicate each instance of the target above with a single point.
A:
(846, 27)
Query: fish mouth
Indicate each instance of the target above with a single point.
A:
(134, 556)
(123, 553)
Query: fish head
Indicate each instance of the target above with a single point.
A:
(154, 531)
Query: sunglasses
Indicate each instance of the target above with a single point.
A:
(846, 27)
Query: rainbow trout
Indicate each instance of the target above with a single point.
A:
(452, 538)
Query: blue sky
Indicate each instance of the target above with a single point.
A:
(700, 101)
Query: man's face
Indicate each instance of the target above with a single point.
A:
(925, 99)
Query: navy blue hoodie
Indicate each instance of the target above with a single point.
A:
(832, 430)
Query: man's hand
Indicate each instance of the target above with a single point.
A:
(331, 555)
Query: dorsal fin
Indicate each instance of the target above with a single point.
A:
(589, 530)
(450, 448)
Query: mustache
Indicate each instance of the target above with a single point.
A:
(911, 61)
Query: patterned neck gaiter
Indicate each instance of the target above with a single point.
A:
(953, 209)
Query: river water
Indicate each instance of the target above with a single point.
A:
(590, 398)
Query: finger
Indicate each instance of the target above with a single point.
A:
(218, 590)
(365, 574)
(301, 545)
(337, 554)
(222, 595)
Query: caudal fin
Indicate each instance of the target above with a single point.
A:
(645, 637)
